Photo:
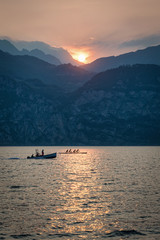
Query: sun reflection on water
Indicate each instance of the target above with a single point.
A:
(80, 207)
(110, 192)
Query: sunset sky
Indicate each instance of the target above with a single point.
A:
(96, 28)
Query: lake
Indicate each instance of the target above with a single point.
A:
(110, 192)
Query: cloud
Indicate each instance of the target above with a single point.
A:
(103, 27)
(142, 42)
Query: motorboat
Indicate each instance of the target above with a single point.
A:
(47, 156)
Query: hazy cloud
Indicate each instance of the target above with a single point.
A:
(142, 42)
(104, 27)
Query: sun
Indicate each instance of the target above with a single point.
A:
(80, 55)
(82, 58)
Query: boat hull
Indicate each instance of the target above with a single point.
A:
(52, 155)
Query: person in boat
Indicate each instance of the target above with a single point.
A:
(77, 150)
(32, 155)
(74, 150)
(70, 150)
(67, 151)
(37, 153)
(42, 152)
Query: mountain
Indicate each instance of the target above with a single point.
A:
(150, 55)
(65, 76)
(41, 55)
(60, 53)
(6, 46)
(28, 117)
(116, 107)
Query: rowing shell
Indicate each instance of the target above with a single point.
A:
(72, 152)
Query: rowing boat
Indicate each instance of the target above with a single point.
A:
(72, 152)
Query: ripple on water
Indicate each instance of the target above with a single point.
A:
(121, 233)
(82, 197)
(21, 236)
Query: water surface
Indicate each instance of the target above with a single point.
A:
(111, 192)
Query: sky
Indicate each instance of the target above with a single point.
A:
(96, 28)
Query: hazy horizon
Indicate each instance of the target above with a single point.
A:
(95, 28)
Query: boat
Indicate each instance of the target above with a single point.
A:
(72, 152)
(47, 156)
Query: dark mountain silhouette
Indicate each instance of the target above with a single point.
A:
(116, 107)
(6, 46)
(66, 76)
(41, 55)
(150, 55)
(27, 115)
(60, 53)
(119, 107)
(133, 77)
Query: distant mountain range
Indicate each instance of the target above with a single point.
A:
(25, 67)
(58, 56)
(150, 55)
(60, 53)
(6, 46)
(41, 50)
(117, 107)
(45, 104)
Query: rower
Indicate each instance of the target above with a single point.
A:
(42, 152)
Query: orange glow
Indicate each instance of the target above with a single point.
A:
(80, 56)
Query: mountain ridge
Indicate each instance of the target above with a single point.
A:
(59, 52)
(148, 55)
(65, 76)
(123, 113)
(8, 47)
(45, 104)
